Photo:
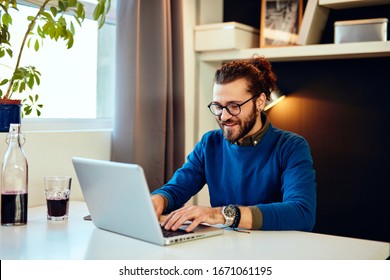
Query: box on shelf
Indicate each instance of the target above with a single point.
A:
(225, 36)
(360, 30)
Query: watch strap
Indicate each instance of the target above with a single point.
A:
(237, 218)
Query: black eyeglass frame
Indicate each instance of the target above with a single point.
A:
(227, 107)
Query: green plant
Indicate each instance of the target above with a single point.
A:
(48, 22)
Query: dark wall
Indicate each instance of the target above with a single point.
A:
(342, 107)
(243, 11)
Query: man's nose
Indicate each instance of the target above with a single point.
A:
(225, 115)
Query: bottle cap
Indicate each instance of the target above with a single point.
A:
(14, 128)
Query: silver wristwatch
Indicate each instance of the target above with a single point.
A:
(229, 213)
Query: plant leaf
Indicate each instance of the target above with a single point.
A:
(47, 16)
(15, 87)
(97, 11)
(9, 51)
(53, 10)
(22, 87)
(36, 45)
(30, 82)
(6, 19)
(70, 40)
(40, 32)
(72, 29)
(3, 82)
(37, 79)
(27, 110)
(102, 21)
(63, 5)
(73, 3)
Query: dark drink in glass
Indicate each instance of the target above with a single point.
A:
(57, 189)
(13, 209)
(57, 208)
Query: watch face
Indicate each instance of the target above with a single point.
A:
(230, 211)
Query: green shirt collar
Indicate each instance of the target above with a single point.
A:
(254, 139)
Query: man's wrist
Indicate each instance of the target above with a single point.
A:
(220, 219)
(164, 201)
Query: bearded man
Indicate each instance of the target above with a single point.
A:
(259, 177)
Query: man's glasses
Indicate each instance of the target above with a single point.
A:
(233, 109)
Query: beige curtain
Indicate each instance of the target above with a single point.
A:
(149, 106)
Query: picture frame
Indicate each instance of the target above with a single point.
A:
(280, 22)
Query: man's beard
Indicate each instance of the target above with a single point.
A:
(244, 127)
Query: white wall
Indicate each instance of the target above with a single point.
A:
(198, 78)
(50, 153)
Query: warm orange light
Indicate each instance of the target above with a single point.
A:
(275, 99)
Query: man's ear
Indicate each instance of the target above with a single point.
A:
(260, 101)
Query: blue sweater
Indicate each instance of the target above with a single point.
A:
(276, 175)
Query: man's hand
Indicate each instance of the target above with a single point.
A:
(159, 203)
(195, 214)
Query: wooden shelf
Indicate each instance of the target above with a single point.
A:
(313, 51)
(346, 4)
(304, 53)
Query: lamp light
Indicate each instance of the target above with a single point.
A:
(275, 98)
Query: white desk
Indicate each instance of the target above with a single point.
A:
(79, 239)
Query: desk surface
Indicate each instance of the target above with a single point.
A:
(79, 239)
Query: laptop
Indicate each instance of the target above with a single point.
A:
(118, 198)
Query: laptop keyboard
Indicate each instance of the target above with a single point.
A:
(172, 233)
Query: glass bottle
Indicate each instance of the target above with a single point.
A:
(14, 180)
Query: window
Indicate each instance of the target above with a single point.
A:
(83, 85)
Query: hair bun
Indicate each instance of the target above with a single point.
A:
(266, 69)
